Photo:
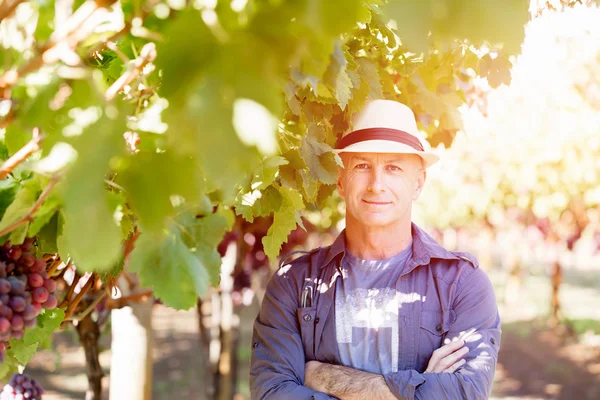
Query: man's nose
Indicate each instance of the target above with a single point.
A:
(376, 181)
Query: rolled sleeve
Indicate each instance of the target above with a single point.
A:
(475, 308)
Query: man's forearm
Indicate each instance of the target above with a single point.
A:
(347, 383)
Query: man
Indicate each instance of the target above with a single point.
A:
(385, 312)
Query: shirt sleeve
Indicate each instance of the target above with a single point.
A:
(277, 361)
(475, 308)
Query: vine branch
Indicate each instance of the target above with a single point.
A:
(31, 147)
(73, 304)
(29, 216)
(147, 55)
(7, 8)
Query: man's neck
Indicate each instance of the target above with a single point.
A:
(377, 243)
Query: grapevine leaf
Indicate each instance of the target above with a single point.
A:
(177, 175)
(370, 78)
(266, 172)
(167, 265)
(90, 233)
(44, 214)
(284, 221)
(8, 190)
(337, 78)
(47, 322)
(21, 205)
(318, 156)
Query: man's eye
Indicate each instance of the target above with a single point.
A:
(362, 166)
(394, 168)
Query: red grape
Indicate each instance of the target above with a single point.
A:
(30, 312)
(27, 244)
(28, 260)
(30, 323)
(5, 286)
(17, 285)
(38, 266)
(17, 322)
(17, 303)
(14, 253)
(4, 325)
(40, 295)
(50, 303)
(35, 280)
(17, 334)
(50, 285)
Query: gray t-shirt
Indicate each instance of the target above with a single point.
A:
(366, 312)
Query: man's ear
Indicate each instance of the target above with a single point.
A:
(420, 183)
(340, 186)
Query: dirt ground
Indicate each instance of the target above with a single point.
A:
(535, 362)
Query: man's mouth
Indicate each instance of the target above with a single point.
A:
(377, 203)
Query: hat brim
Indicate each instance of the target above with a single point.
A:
(388, 146)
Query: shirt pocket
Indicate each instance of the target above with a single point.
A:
(306, 320)
(433, 328)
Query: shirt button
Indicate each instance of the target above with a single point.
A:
(316, 320)
(493, 340)
(255, 345)
(438, 327)
(307, 317)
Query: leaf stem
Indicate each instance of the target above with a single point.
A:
(73, 304)
(123, 301)
(88, 310)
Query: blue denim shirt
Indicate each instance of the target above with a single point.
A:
(446, 295)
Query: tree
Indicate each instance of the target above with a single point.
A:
(532, 156)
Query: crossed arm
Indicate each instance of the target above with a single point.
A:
(350, 384)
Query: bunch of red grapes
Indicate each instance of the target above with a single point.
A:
(24, 289)
(22, 387)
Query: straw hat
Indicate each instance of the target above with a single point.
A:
(386, 126)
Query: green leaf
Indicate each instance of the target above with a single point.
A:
(174, 273)
(8, 190)
(24, 200)
(90, 234)
(176, 175)
(266, 172)
(202, 127)
(16, 138)
(47, 322)
(44, 214)
(284, 221)
(47, 237)
(318, 156)
(370, 78)
(337, 78)
(188, 47)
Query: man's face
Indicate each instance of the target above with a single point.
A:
(379, 188)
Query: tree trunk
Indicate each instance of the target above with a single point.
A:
(89, 333)
(131, 363)
(555, 301)
(217, 324)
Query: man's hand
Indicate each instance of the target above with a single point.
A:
(448, 358)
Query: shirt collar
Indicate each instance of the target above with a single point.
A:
(424, 249)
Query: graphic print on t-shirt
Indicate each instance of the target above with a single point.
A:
(366, 313)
